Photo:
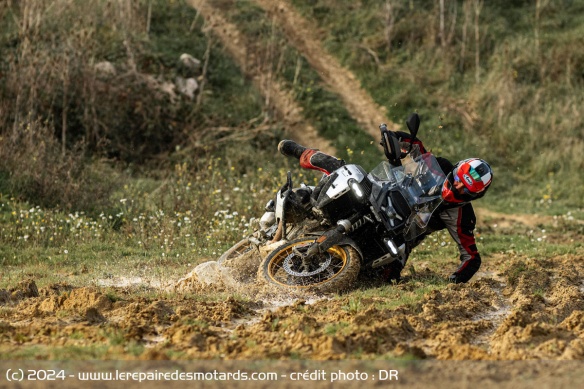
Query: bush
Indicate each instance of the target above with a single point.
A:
(39, 170)
(92, 80)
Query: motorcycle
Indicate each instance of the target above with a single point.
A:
(319, 238)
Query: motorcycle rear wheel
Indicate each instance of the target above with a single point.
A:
(242, 247)
(333, 271)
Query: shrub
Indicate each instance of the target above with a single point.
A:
(39, 170)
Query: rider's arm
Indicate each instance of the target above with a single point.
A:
(405, 140)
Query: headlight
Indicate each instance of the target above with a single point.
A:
(391, 247)
(356, 188)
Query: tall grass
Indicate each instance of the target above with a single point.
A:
(36, 167)
(54, 69)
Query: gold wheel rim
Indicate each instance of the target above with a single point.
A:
(339, 257)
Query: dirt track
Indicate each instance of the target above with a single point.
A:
(286, 110)
(304, 36)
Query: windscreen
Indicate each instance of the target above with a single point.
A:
(420, 181)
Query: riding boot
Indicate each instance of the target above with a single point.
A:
(310, 158)
(291, 149)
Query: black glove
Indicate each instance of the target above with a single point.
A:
(466, 270)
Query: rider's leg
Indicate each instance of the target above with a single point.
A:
(310, 158)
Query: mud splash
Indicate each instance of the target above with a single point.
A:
(240, 276)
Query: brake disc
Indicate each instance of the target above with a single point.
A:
(288, 263)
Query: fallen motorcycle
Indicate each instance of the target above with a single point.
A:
(319, 238)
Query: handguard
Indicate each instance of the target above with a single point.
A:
(391, 146)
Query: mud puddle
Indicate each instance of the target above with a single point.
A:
(241, 279)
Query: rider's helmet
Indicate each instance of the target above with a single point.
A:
(475, 175)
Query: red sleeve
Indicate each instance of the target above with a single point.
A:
(404, 137)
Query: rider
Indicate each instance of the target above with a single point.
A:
(468, 180)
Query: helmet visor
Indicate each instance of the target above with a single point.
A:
(465, 190)
(449, 193)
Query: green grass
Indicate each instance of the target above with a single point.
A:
(526, 121)
(159, 230)
(353, 306)
(338, 328)
(407, 295)
(161, 237)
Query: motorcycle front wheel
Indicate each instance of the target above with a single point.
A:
(333, 271)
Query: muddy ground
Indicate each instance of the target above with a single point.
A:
(515, 309)
(536, 314)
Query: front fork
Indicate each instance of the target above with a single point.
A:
(333, 237)
(337, 236)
